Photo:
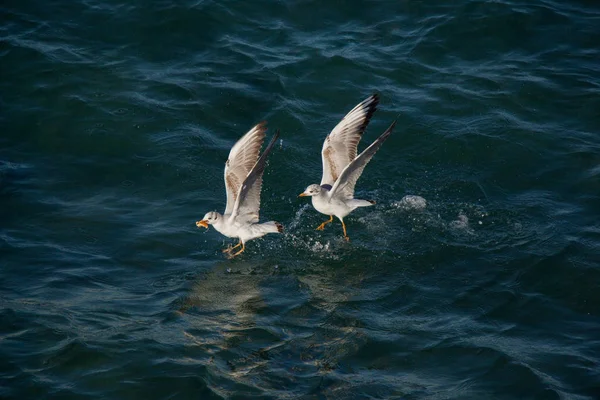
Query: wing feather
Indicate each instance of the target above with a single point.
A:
(247, 205)
(242, 158)
(339, 148)
(344, 186)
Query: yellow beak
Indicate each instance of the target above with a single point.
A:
(203, 223)
(302, 195)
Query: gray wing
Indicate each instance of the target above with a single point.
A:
(242, 157)
(247, 205)
(339, 148)
(344, 186)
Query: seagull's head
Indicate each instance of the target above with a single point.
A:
(311, 190)
(210, 218)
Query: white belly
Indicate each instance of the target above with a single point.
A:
(227, 229)
(330, 207)
(241, 230)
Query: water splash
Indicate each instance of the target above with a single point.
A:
(411, 202)
(297, 217)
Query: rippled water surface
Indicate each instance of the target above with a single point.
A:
(117, 118)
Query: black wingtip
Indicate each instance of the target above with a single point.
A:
(375, 97)
(388, 131)
(372, 107)
(272, 142)
(262, 159)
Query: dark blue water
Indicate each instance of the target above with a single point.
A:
(116, 120)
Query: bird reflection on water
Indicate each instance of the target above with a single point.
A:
(257, 317)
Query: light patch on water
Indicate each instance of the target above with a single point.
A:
(462, 222)
(411, 202)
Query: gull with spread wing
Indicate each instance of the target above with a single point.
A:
(342, 167)
(243, 181)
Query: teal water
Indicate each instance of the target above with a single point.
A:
(117, 118)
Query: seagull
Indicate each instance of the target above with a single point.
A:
(243, 182)
(342, 167)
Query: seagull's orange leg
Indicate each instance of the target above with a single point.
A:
(322, 226)
(230, 248)
(239, 252)
(344, 228)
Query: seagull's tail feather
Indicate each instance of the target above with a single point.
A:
(271, 227)
(360, 203)
(279, 227)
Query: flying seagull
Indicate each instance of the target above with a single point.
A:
(342, 167)
(243, 181)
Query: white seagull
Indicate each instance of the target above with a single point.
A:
(243, 182)
(342, 167)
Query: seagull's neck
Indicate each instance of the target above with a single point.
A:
(322, 196)
(220, 224)
(324, 193)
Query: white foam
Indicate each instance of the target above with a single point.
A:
(317, 246)
(411, 202)
(461, 225)
(462, 222)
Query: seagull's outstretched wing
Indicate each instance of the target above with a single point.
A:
(339, 148)
(242, 158)
(344, 186)
(247, 205)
